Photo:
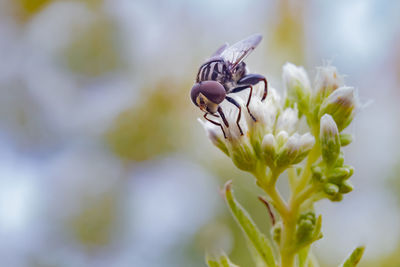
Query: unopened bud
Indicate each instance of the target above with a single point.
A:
(317, 174)
(281, 138)
(345, 139)
(331, 189)
(268, 149)
(336, 198)
(327, 80)
(340, 104)
(305, 227)
(339, 174)
(287, 121)
(276, 232)
(269, 143)
(295, 149)
(329, 138)
(346, 187)
(297, 86)
(340, 160)
(351, 170)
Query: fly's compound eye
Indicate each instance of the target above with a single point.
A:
(209, 91)
(201, 101)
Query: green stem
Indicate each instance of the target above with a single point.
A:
(287, 239)
(268, 185)
(288, 212)
(305, 176)
(292, 178)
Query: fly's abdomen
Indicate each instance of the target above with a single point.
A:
(215, 70)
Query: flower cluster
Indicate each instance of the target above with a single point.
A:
(272, 139)
(275, 138)
(279, 135)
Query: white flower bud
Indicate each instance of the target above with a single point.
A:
(307, 142)
(269, 149)
(340, 104)
(326, 81)
(288, 121)
(297, 86)
(269, 143)
(329, 139)
(289, 151)
(295, 149)
(293, 144)
(281, 138)
(265, 112)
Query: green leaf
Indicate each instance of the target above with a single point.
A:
(256, 238)
(259, 262)
(225, 262)
(222, 261)
(354, 258)
(212, 262)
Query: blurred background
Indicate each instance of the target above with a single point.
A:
(103, 162)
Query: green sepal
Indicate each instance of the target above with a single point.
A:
(346, 187)
(338, 175)
(354, 257)
(331, 189)
(253, 234)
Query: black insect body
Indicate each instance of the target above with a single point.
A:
(226, 73)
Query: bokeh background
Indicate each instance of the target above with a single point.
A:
(103, 162)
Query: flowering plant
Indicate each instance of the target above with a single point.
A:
(302, 135)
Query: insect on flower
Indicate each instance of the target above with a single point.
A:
(226, 73)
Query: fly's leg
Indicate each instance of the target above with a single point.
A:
(221, 113)
(233, 101)
(215, 123)
(241, 88)
(253, 79)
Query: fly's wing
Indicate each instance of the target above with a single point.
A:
(237, 52)
(220, 50)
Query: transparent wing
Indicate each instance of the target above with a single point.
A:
(220, 50)
(237, 52)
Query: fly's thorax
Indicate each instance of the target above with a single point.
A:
(239, 72)
(230, 85)
(214, 70)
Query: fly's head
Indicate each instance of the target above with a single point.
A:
(207, 95)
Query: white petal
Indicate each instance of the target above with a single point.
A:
(292, 75)
(293, 143)
(328, 126)
(307, 141)
(213, 132)
(327, 78)
(288, 120)
(269, 142)
(344, 95)
(282, 137)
